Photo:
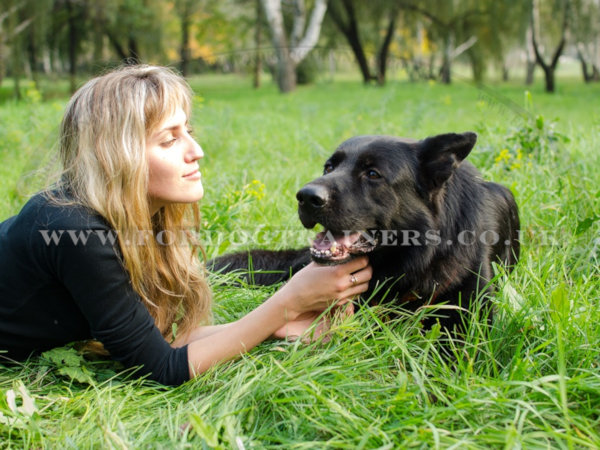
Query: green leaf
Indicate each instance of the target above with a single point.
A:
(559, 303)
(79, 374)
(528, 100)
(539, 122)
(64, 356)
(205, 430)
(434, 333)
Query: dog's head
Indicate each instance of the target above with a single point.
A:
(375, 183)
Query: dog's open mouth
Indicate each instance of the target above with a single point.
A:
(332, 248)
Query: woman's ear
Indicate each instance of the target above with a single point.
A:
(440, 155)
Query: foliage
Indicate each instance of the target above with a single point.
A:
(307, 71)
(60, 37)
(536, 136)
(531, 381)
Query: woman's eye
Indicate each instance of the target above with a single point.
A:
(373, 174)
(168, 143)
(328, 168)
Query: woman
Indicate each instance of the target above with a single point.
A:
(82, 260)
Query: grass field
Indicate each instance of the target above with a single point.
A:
(531, 381)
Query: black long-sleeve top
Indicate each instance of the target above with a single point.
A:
(56, 289)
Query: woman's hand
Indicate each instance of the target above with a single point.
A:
(317, 287)
(297, 328)
(312, 290)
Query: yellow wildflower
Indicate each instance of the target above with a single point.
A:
(519, 155)
(256, 189)
(504, 156)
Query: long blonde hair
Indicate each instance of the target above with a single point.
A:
(102, 149)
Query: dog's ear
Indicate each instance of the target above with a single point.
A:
(440, 155)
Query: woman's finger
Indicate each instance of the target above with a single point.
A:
(355, 264)
(361, 276)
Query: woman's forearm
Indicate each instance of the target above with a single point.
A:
(229, 341)
(314, 288)
(198, 333)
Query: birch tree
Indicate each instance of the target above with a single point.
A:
(291, 50)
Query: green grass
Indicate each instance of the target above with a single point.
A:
(532, 381)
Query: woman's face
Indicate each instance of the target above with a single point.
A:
(173, 157)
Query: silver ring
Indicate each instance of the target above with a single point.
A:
(353, 280)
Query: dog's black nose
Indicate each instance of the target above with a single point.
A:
(313, 195)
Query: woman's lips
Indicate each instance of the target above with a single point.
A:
(194, 174)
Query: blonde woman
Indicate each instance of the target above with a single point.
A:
(82, 261)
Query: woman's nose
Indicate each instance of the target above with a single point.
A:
(194, 151)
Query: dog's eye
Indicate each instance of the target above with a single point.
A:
(373, 174)
(328, 168)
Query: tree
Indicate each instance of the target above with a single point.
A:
(189, 13)
(291, 51)
(501, 30)
(76, 15)
(11, 25)
(529, 55)
(344, 15)
(185, 9)
(134, 28)
(451, 22)
(549, 68)
(257, 68)
(586, 35)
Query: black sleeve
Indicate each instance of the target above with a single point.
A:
(100, 286)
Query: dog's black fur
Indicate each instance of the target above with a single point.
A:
(410, 188)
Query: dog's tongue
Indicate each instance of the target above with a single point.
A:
(326, 239)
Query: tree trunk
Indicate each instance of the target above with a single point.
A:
(549, 78)
(2, 69)
(587, 76)
(505, 72)
(446, 71)
(477, 66)
(117, 45)
(72, 21)
(288, 58)
(549, 69)
(302, 48)
(257, 43)
(16, 66)
(134, 54)
(530, 72)
(32, 53)
(588, 69)
(529, 54)
(382, 55)
(350, 31)
(285, 71)
(98, 19)
(185, 52)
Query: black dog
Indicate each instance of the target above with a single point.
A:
(430, 224)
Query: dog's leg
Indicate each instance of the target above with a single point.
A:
(262, 267)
